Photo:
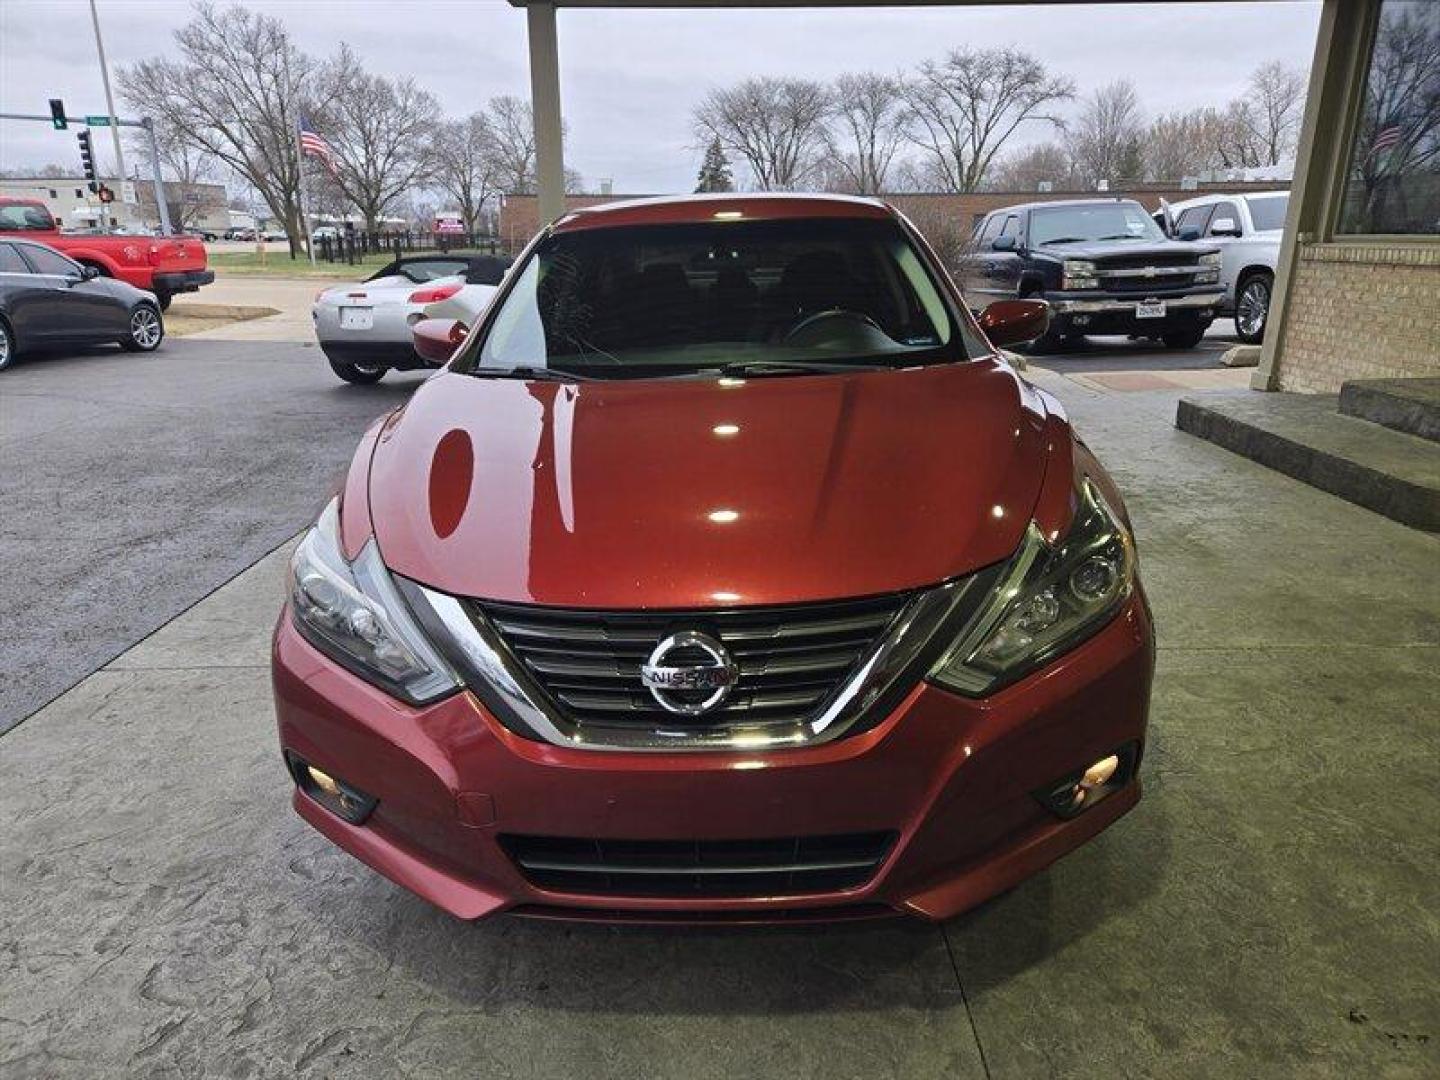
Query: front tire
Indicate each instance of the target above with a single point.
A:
(7, 345)
(359, 374)
(147, 329)
(1252, 306)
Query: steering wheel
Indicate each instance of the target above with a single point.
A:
(819, 318)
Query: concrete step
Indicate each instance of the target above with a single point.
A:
(1408, 405)
(1305, 436)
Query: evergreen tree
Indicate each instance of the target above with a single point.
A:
(714, 170)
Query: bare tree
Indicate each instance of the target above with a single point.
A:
(868, 117)
(1271, 111)
(1178, 145)
(1104, 141)
(1027, 169)
(964, 108)
(776, 126)
(379, 131)
(181, 163)
(466, 167)
(512, 130)
(234, 92)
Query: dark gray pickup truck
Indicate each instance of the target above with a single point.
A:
(1102, 264)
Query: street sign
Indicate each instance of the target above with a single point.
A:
(105, 195)
(97, 121)
(127, 192)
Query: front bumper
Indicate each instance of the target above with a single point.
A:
(181, 281)
(1107, 313)
(953, 778)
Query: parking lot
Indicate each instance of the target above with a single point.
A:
(1268, 909)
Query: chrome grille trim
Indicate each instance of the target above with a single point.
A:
(572, 691)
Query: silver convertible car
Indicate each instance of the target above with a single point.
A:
(365, 329)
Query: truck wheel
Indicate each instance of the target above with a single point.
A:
(1252, 306)
(1183, 339)
(163, 298)
(7, 345)
(1052, 341)
(359, 374)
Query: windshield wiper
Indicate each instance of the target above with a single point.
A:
(1122, 236)
(536, 374)
(1064, 240)
(785, 367)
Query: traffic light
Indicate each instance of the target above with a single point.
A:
(87, 157)
(57, 114)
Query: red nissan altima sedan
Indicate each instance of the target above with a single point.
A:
(724, 573)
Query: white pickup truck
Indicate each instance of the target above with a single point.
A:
(1247, 229)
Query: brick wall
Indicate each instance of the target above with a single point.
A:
(1361, 312)
(936, 214)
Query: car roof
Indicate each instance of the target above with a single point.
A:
(1225, 196)
(1052, 204)
(721, 206)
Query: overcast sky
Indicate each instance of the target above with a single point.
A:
(629, 78)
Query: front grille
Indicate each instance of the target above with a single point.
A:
(790, 660)
(1146, 284)
(1138, 261)
(699, 868)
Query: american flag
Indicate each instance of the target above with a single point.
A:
(313, 144)
(1386, 138)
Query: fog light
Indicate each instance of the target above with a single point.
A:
(1082, 790)
(1081, 320)
(340, 798)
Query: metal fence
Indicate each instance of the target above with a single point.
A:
(352, 247)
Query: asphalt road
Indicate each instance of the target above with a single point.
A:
(133, 486)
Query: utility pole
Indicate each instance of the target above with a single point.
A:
(109, 98)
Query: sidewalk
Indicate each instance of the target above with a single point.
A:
(291, 297)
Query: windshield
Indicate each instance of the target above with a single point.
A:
(1268, 211)
(1102, 221)
(818, 294)
(18, 217)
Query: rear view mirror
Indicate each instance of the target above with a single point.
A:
(437, 339)
(1224, 227)
(1011, 322)
(1003, 243)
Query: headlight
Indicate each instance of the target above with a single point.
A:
(353, 613)
(1212, 259)
(1048, 600)
(1079, 274)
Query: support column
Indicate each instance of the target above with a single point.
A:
(1336, 85)
(545, 101)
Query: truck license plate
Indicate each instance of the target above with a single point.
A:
(1150, 309)
(363, 318)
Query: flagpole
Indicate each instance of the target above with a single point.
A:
(304, 198)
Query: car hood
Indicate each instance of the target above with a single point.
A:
(698, 493)
(1104, 249)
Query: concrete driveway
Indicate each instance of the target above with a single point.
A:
(1272, 907)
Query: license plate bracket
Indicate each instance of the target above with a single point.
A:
(357, 318)
(1150, 309)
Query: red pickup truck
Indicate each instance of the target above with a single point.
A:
(163, 265)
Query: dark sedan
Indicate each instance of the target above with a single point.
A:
(50, 301)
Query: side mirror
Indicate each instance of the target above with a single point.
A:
(1003, 243)
(1224, 227)
(1011, 322)
(88, 273)
(437, 339)
(1189, 234)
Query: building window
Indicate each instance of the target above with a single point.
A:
(53, 195)
(1392, 182)
(79, 194)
